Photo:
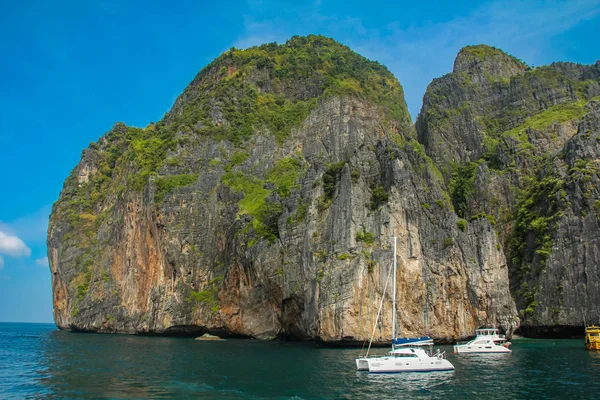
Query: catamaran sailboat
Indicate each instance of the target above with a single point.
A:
(407, 354)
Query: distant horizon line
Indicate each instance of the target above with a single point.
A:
(26, 322)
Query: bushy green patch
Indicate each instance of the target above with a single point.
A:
(300, 214)
(321, 255)
(254, 203)
(331, 177)
(366, 237)
(495, 135)
(556, 114)
(343, 256)
(84, 287)
(208, 296)
(462, 224)
(448, 242)
(81, 284)
(483, 215)
(538, 208)
(265, 212)
(582, 87)
(320, 275)
(491, 152)
(527, 294)
(280, 115)
(166, 184)
(174, 161)
(148, 149)
(461, 186)
(284, 174)
(238, 158)
(252, 189)
(378, 197)
(482, 51)
(370, 266)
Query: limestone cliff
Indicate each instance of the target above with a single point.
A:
(504, 134)
(264, 204)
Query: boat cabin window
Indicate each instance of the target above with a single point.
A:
(486, 332)
(594, 334)
(405, 355)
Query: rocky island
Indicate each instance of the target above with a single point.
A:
(264, 202)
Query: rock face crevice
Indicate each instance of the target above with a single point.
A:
(264, 204)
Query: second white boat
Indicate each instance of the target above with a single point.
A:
(487, 340)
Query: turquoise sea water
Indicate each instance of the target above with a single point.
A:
(37, 361)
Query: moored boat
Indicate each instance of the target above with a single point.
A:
(592, 337)
(410, 358)
(487, 340)
(407, 354)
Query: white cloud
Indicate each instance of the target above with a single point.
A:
(13, 246)
(32, 228)
(42, 262)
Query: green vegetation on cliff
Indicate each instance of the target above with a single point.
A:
(539, 207)
(165, 184)
(276, 86)
(208, 296)
(461, 186)
(257, 201)
(556, 114)
(483, 51)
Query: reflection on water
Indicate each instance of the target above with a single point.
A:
(410, 384)
(38, 361)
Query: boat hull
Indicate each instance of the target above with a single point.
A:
(592, 337)
(476, 349)
(593, 346)
(390, 365)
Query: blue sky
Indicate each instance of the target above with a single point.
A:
(71, 69)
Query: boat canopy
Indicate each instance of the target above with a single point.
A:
(412, 341)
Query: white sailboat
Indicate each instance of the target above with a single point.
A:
(407, 354)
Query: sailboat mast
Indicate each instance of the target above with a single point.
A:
(394, 296)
